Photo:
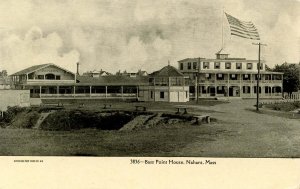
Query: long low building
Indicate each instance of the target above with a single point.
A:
(48, 81)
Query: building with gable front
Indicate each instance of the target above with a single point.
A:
(165, 85)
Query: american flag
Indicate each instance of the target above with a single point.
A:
(242, 29)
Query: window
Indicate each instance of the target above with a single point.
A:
(207, 76)
(151, 95)
(204, 90)
(249, 66)
(162, 95)
(189, 65)
(246, 89)
(246, 77)
(220, 76)
(255, 89)
(194, 65)
(276, 77)
(217, 65)
(57, 77)
(186, 94)
(228, 65)
(40, 76)
(233, 76)
(181, 66)
(238, 66)
(205, 65)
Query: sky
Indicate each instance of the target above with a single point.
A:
(115, 35)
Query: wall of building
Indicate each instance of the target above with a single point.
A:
(14, 98)
(172, 94)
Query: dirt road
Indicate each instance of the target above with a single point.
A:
(245, 133)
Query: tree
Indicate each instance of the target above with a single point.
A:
(290, 77)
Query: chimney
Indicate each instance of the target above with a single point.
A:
(77, 72)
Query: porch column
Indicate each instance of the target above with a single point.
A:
(282, 86)
(251, 86)
(137, 91)
(90, 91)
(122, 91)
(105, 91)
(200, 90)
(228, 85)
(215, 84)
(154, 90)
(271, 91)
(240, 85)
(207, 92)
(57, 91)
(40, 91)
(74, 91)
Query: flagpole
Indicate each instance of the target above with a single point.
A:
(223, 28)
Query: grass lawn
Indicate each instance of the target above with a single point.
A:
(164, 140)
(286, 107)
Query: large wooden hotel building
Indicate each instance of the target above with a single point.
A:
(230, 77)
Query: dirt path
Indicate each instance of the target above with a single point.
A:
(245, 133)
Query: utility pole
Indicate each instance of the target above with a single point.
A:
(258, 74)
(197, 80)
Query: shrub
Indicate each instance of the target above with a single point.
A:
(11, 112)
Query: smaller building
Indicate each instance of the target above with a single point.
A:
(4, 80)
(165, 85)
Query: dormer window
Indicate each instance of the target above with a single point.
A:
(194, 65)
(228, 65)
(205, 65)
(217, 65)
(189, 66)
(249, 66)
(239, 66)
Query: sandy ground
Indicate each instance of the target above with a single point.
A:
(247, 133)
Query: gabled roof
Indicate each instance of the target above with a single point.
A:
(167, 71)
(38, 67)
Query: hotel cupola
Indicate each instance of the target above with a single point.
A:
(222, 54)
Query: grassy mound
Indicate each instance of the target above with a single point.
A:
(81, 119)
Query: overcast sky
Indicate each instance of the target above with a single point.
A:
(140, 34)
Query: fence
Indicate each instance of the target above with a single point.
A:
(295, 97)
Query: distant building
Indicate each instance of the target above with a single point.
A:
(230, 77)
(165, 85)
(96, 73)
(132, 74)
(4, 80)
